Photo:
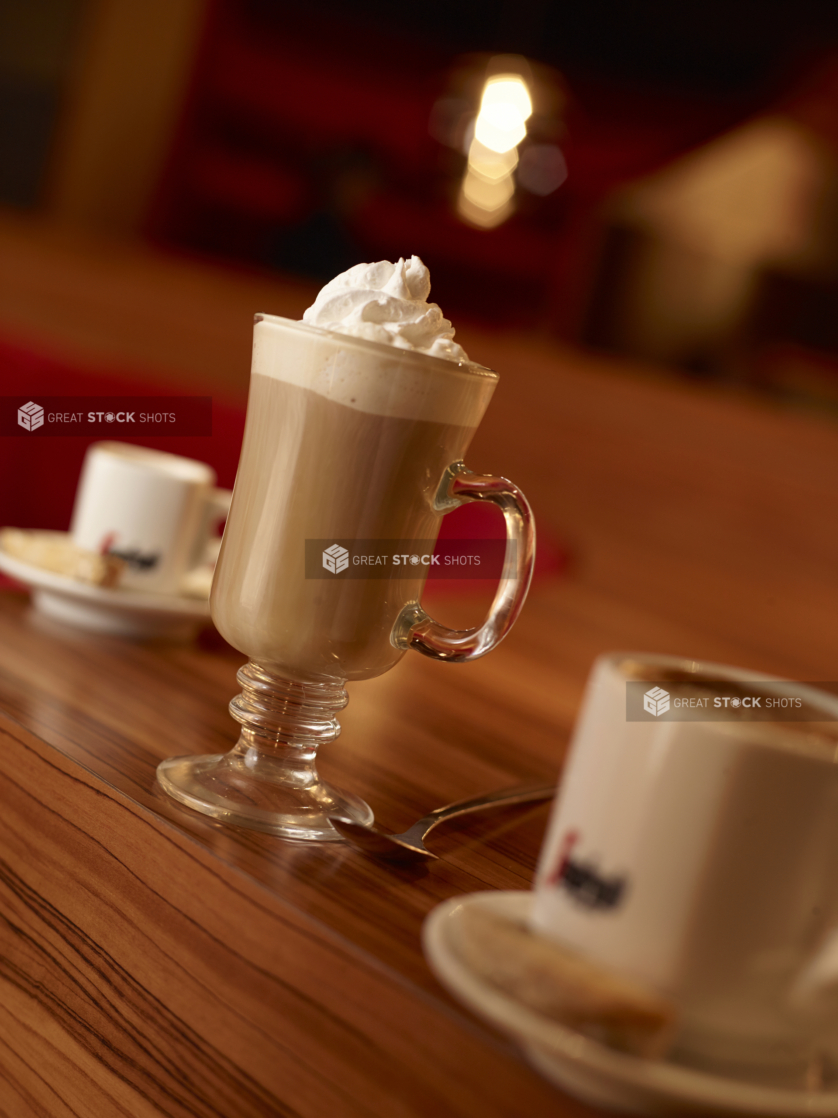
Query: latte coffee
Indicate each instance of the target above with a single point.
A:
(357, 423)
(345, 439)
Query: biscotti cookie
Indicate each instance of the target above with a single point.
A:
(53, 551)
(560, 984)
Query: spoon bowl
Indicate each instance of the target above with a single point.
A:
(409, 846)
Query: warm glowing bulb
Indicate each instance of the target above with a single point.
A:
(508, 89)
(487, 192)
(499, 137)
(504, 110)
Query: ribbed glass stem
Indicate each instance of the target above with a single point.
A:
(269, 778)
(276, 712)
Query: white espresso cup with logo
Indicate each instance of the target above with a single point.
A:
(700, 857)
(156, 511)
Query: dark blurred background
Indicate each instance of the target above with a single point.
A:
(674, 197)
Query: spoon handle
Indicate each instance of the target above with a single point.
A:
(520, 794)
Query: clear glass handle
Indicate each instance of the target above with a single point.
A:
(415, 629)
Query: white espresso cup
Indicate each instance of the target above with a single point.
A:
(155, 510)
(701, 858)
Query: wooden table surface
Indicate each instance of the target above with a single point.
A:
(154, 962)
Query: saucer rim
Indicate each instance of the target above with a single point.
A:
(566, 1048)
(111, 597)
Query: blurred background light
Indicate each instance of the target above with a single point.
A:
(491, 165)
(483, 204)
(488, 194)
(504, 110)
(487, 191)
(541, 169)
(506, 96)
(656, 180)
(499, 138)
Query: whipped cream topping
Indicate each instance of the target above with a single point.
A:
(386, 303)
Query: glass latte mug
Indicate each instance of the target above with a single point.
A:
(345, 439)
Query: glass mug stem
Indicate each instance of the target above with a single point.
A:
(414, 628)
(269, 780)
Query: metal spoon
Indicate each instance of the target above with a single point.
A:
(409, 847)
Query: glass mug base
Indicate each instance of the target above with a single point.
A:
(269, 781)
(222, 786)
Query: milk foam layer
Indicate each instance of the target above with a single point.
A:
(386, 303)
(392, 381)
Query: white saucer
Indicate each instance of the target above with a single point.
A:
(582, 1067)
(124, 613)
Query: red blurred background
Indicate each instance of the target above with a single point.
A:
(693, 223)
